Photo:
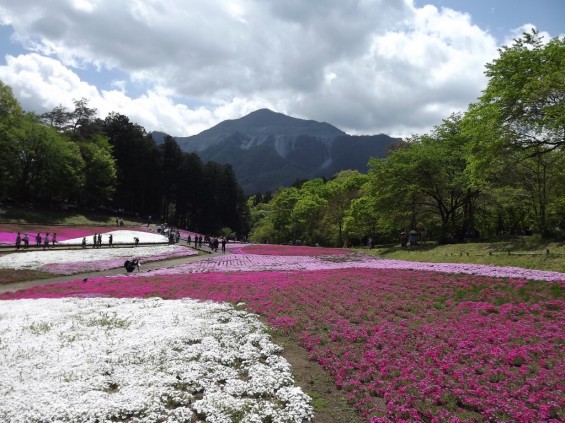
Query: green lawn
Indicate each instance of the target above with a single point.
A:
(530, 252)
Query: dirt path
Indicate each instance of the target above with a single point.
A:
(145, 267)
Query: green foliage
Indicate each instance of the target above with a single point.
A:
(314, 214)
(527, 89)
(49, 165)
(517, 132)
(72, 158)
(425, 184)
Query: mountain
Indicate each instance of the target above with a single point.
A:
(269, 150)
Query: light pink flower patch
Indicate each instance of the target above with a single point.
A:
(70, 268)
(256, 262)
(291, 250)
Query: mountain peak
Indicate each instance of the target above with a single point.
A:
(260, 125)
(268, 149)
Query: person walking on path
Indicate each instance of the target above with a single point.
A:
(54, 239)
(136, 241)
(94, 241)
(188, 240)
(110, 240)
(84, 242)
(99, 240)
(26, 241)
(38, 239)
(46, 241)
(224, 244)
(18, 241)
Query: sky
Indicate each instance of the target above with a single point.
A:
(365, 66)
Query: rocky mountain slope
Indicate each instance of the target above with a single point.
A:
(269, 150)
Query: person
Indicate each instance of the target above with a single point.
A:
(423, 236)
(131, 265)
(26, 241)
(84, 242)
(224, 244)
(38, 239)
(403, 239)
(94, 241)
(195, 241)
(54, 239)
(200, 241)
(46, 241)
(99, 240)
(412, 237)
(110, 240)
(18, 241)
(136, 240)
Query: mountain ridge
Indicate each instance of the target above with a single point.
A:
(269, 150)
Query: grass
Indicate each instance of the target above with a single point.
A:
(529, 252)
(8, 276)
(18, 215)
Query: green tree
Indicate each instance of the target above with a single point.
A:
(137, 158)
(523, 106)
(426, 183)
(171, 161)
(306, 217)
(50, 166)
(282, 205)
(10, 115)
(100, 171)
(517, 130)
(341, 190)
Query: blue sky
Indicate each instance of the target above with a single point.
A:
(366, 66)
(500, 17)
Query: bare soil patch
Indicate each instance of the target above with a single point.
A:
(330, 405)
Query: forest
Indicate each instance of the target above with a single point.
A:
(70, 159)
(496, 169)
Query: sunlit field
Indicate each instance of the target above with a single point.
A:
(401, 340)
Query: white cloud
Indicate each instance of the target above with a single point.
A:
(366, 66)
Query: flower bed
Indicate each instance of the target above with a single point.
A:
(290, 250)
(141, 360)
(8, 233)
(89, 259)
(257, 262)
(401, 344)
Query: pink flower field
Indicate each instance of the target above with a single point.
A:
(402, 344)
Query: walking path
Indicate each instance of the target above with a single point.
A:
(145, 267)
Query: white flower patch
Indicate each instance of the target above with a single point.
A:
(74, 261)
(141, 360)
